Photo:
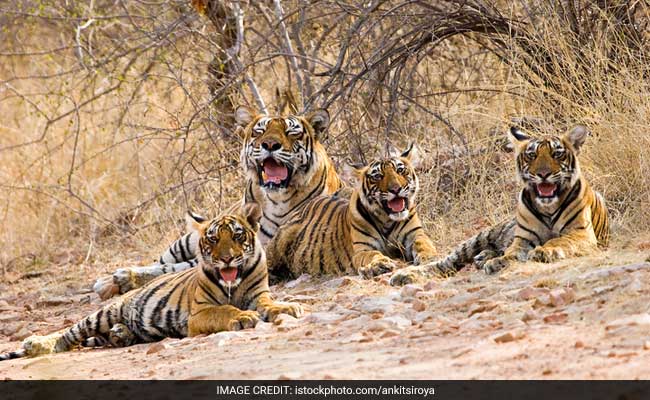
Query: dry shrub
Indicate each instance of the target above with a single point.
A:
(113, 128)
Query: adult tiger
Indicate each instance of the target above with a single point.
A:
(365, 234)
(227, 291)
(558, 214)
(285, 166)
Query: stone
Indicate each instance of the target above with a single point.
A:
(410, 290)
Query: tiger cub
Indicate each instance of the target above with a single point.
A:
(558, 214)
(363, 235)
(228, 290)
(285, 166)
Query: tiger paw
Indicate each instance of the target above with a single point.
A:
(120, 336)
(244, 320)
(495, 265)
(378, 266)
(546, 254)
(106, 288)
(269, 314)
(404, 276)
(39, 345)
(481, 258)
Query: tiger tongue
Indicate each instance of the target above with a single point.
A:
(397, 204)
(228, 274)
(274, 172)
(546, 189)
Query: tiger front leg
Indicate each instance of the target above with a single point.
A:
(423, 249)
(371, 263)
(269, 310)
(517, 251)
(126, 279)
(572, 244)
(212, 319)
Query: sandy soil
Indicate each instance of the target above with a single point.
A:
(586, 318)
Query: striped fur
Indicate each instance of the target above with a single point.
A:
(558, 214)
(228, 291)
(286, 144)
(364, 235)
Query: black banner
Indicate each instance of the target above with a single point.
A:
(467, 390)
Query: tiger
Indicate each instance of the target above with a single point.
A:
(558, 214)
(364, 233)
(227, 291)
(285, 166)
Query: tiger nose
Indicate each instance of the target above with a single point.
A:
(226, 259)
(544, 173)
(395, 189)
(271, 145)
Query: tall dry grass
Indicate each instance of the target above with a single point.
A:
(110, 177)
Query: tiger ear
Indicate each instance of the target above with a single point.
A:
(412, 153)
(244, 115)
(517, 137)
(194, 221)
(319, 120)
(253, 213)
(352, 172)
(577, 136)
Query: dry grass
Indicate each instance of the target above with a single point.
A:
(113, 178)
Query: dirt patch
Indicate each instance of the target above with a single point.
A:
(586, 318)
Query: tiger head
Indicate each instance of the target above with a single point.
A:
(281, 151)
(228, 245)
(388, 186)
(548, 166)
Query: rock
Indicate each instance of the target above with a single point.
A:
(155, 348)
(289, 376)
(636, 285)
(431, 285)
(390, 333)
(53, 301)
(556, 318)
(530, 292)
(323, 317)
(22, 333)
(302, 298)
(410, 290)
(638, 319)
(529, 315)
(646, 345)
(482, 307)
(398, 321)
(375, 304)
(9, 317)
(507, 337)
(605, 272)
(419, 305)
(302, 278)
(356, 337)
(561, 297)
(286, 320)
(579, 344)
(357, 322)
(339, 282)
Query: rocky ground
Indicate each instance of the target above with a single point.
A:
(586, 318)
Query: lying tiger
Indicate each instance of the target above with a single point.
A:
(363, 235)
(558, 214)
(228, 290)
(285, 165)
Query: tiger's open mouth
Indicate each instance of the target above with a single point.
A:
(229, 274)
(274, 175)
(395, 205)
(546, 189)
